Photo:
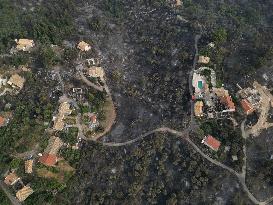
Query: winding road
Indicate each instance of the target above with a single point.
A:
(111, 112)
(161, 129)
(185, 136)
(193, 123)
(88, 82)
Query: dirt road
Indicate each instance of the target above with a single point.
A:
(193, 123)
(111, 111)
(161, 129)
(267, 98)
(185, 136)
(89, 83)
(12, 199)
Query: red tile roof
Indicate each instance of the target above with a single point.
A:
(227, 100)
(93, 118)
(247, 107)
(48, 159)
(211, 142)
(2, 121)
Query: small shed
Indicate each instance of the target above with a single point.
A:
(83, 46)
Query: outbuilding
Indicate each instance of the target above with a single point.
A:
(24, 44)
(83, 46)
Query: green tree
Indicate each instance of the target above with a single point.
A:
(47, 56)
(3, 199)
(70, 54)
(220, 36)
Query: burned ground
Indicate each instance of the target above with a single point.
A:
(160, 169)
(260, 163)
(147, 55)
(259, 149)
(147, 50)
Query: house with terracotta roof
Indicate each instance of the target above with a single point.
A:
(2, 121)
(211, 142)
(228, 102)
(28, 166)
(83, 46)
(16, 81)
(252, 97)
(48, 159)
(24, 44)
(247, 107)
(225, 99)
(11, 179)
(203, 59)
(198, 108)
(24, 193)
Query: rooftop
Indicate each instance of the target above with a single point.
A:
(17, 80)
(48, 159)
(225, 98)
(11, 179)
(96, 72)
(247, 107)
(2, 121)
(211, 142)
(54, 144)
(93, 118)
(64, 109)
(24, 193)
(58, 123)
(178, 2)
(198, 108)
(220, 92)
(24, 44)
(24, 41)
(204, 59)
(28, 166)
(227, 101)
(83, 46)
